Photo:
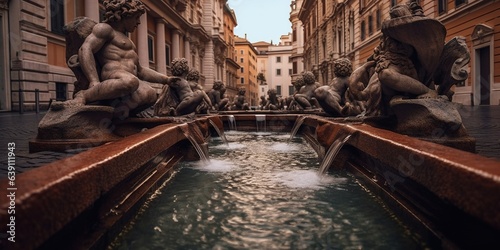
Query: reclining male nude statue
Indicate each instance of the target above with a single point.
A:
(109, 61)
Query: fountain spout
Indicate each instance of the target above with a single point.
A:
(260, 119)
(219, 132)
(197, 146)
(296, 126)
(333, 151)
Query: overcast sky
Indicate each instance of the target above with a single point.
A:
(262, 20)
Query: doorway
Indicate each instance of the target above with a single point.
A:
(4, 69)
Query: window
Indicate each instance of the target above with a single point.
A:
(294, 67)
(278, 72)
(278, 89)
(241, 52)
(294, 34)
(61, 90)
(370, 24)
(57, 16)
(363, 34)
(241, 60)
(241, 70)
(278, 59)
(459, 2)
(291, 90)
(323, 3)
(379, 19)
(167, 54)
(242, 80)
(151, 52)
(289, 72)
(289, 59)
(442, 6)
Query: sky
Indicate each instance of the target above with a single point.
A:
(262, 20)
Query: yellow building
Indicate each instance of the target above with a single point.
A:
(247, 59)
(351, 29)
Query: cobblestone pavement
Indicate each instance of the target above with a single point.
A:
(20, 129)
(482, 122)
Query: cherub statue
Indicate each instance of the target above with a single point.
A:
(192, 77)
(263, 102)
(290, 102)
(240, 102)
(216, 96)
(305, 96)
(331, 97)
(274, 102)
(178, 98)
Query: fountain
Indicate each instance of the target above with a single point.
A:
(407, 149)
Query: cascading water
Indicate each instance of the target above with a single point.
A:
(219, 132)
(260, 119)
(203, 155)
(296, 127)
(232, 122)
(332, 152)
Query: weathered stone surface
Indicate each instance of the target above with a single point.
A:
(65, 122)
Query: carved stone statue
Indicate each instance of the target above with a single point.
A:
(274, 102)
(111, 84)
(240, 102)
(263, 102)
(217, 96)
(332, 96)
(291, 104)
(178, 98)
(400, 78)
(207, 104)
(110, 64)
(305, 96)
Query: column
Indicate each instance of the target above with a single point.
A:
(175, 44)
(161, 61)
(187, 51)
(92, 9)
(142, 41)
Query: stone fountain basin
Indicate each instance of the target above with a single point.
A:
(449, 196)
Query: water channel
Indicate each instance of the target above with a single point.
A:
(263, 191)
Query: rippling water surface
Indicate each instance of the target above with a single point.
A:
(260, 192)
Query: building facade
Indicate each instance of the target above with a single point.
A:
(297, 40)
(247, 59)
(351, 29)
(33, 50)
(232, 67)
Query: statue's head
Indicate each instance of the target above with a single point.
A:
(272, 92)
(115, 10)
(180, 67)
(218, 85)
(299, 82)
(308, 77)
(193, 75)
(342, 67)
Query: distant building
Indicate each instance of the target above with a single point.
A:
(247, 59)
(275, 63)
(351, 29)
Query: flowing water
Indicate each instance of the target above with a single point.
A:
(264, 192)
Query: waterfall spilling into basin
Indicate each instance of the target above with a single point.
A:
(232, 122)
(296, 126)
(203, 155)
(260, 120)
(332, 152)
(219, 132)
